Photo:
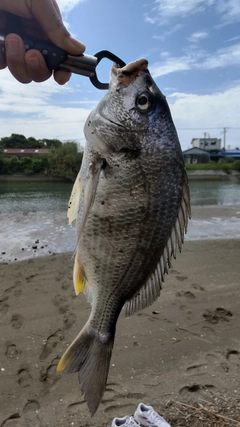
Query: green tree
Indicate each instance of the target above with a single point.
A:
(64, 161)
(49, 143)
(20, 141)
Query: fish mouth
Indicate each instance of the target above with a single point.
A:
(127, 74)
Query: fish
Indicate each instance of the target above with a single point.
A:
(131, 203)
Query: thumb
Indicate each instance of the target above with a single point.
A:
(48, 15)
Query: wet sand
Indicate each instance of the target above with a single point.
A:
(186, 346)
(26, 235)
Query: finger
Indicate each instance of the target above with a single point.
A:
(2, 60)
(18, 7)
(15, 58)
(62, 76)
(46, 13)
(36, 66)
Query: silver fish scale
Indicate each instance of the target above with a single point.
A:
(127, 228)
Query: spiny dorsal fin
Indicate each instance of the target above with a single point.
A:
(151, 289)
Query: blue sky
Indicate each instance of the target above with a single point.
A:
(193, 49)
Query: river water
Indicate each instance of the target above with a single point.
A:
(33, 216)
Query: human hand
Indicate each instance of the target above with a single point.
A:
(41, 19)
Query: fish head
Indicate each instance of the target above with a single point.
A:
(134, 112)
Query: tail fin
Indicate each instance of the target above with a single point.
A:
(89, 355)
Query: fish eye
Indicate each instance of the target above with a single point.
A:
(144, 102)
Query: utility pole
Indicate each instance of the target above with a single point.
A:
(224, 137)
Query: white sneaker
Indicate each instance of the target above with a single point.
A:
(124, 422)
(146, 416)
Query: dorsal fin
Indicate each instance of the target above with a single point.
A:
(150, 291)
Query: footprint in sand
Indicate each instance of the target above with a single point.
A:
(17, 321)
(186, 309)
(49, 376)
(174, 272)
(186, 294)
(195, 389)
(65, 285)
(69, 319)
(8, 421)
(9, 290)
(217, 315)
(11, 351)
(17, 293)
(51, 343)
(233, 357)
(24, 377)
(217, 360)
(197, 369)
(60, 302)
(4, 307)
(114, 399)
(209, 333)
(181, 278)
(31, 405)
(59, 276)
(197, 287)
(76, 407)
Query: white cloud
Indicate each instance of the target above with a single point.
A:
(172, 8)
(214, 110)
(67, 5)
(169, 32)
(32, 111)
(170, 65)
(195, 37)
(229, 10)
(224, 57)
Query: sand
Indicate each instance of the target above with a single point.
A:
(185, 347)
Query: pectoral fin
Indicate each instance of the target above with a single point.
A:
(73, 204)
(91, 184)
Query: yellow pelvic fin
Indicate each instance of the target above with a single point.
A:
(79, 277)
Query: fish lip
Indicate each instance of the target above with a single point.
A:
(115, 67)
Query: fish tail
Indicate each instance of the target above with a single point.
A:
(89, 355)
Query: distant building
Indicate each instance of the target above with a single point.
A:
(208, 144)
(226, 154)
(196, 155)
(24, 152)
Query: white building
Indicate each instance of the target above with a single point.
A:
(208, 144)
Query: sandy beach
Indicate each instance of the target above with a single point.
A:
(185, 348)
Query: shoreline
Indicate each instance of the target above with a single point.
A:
(35, 234)
(32, 178)
(217, 175)
(192, 175)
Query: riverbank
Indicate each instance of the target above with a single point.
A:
(185, 347)
(192, 174)
(213, 175)
(32, 178)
